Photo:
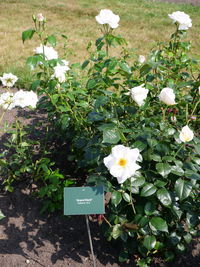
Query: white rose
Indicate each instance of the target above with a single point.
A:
(6, 101)
(141, 59)
(186, 134)
(167, 96)
(40, 17)
(25, 99)
(8, 79)
(182, 19)
(139, 94)
(60, 70)
(106, 16)
(199, 90)
(122, 162)
(48, 51)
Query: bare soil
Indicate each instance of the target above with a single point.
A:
(28, 238)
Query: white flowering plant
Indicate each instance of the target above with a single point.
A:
(131, 126)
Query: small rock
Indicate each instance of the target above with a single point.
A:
(27, 261)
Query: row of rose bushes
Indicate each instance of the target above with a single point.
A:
(117, 117)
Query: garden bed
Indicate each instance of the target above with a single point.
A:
(29, 238)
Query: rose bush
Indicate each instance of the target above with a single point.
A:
(116, 118)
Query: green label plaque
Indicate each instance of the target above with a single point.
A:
(84, 200)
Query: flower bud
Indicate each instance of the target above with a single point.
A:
(100, 219)
(34, 18)
(40, 17)
(173, 119)
(141, 59)
(193, 118)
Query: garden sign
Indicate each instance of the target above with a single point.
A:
(84, 201)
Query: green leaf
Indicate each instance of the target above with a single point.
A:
(111, 136)
(116, 198)
(117, 231)
(123, 256)
(174, 238)
(85, 63)
(152, 142)
(164, 197)
(157, 223)
(125, 67)
(33, 61)
(28, 34)
(148, 190)
(176, 210)
(51, 40)
(192, 174)
(182, 188)
(169, 256)
(149, 242)
(155, 157)
(140, 145)
(181, 248)
(188, 238)
(95, 116)
(1, 215)
(163, 169)
(160, 183)
(143, 221)
(149, 208)
(126, 197)
(137, 181)
(177, 170)
(145, 69)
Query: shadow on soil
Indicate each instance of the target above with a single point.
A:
(26, 230)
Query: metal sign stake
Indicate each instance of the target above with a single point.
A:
(90, 240)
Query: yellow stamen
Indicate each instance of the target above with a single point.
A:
(122, 162)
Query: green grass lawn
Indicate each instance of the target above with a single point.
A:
(143, 23)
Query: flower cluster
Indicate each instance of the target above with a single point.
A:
(139, 94)
(21, 99)
(183, 20)
(106, 16)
